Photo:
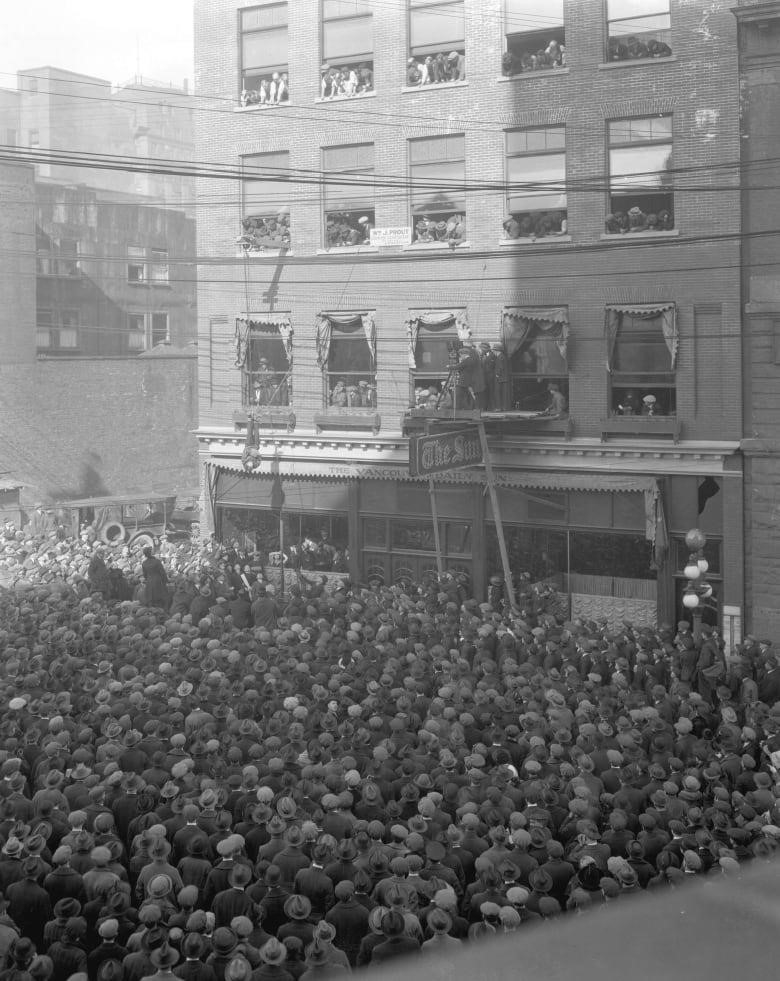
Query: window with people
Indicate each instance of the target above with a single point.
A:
(56, 257)
(346, 352)
(536, 345)
(638, 29)
(265, 202)
(266, 378)
(535, 36)
(264, 47)
(437, 172)
(347, 49)
(434, 346)
(641, 195)
(437, 48)
(348, 195)
(536, 178)
(642, 343)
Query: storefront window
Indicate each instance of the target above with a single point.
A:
(399, 549)
(312, 541)
(600, 553)
(536, 553)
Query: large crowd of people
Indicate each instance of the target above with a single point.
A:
(205, 779)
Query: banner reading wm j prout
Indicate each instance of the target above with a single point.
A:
(443, 452)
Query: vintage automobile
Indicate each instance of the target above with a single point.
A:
(133, 519)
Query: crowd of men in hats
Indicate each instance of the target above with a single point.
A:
(362, 774)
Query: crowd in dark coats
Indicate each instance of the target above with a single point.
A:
(363, 773)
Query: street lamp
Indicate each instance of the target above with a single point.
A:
(698, 589)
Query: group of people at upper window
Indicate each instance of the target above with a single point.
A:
(344, 81)
(272, 89)
(436, 68)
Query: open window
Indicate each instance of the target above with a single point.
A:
(640, 178)
(437, 171)
(346, 354)
(264, 46)
(536, 175)
(638, 29)
(437, 47)
(264, 355)
(642, 342)
(435, 337)
(265, 202)
(536, 345)
(348, 193)
(535, 36)
(347, 49)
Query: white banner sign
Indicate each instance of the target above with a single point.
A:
(391, 236)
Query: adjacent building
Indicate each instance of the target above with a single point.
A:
(759, 50)
(403, 180)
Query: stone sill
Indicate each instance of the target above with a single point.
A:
(261, 106)
(435, 86)
(544, 73)
(509, 243)
(348, 420)
(639, 236)
(639, 426)
(434, 247)
(630, 62)
(265, 254)
(324, 100)
(349, 250)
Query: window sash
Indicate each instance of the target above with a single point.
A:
(529, 16)
(434, 26)
(640, 130)
(265, 52)
(544, 169)
(346, 39)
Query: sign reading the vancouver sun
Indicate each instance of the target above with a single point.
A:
(444, 452)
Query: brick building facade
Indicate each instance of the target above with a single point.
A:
(571, 186)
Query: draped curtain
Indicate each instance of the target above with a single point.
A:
(245, 325)
(518, 323)
(668, 315)
(345, 324)
(436, 320)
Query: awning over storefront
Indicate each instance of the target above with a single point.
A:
(306, 487)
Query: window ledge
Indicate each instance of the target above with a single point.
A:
(435, 86)
(324, 100)
(509, 243)
(349, 250)
(347, 419)
(542, 73)
(641, 426)
(630, 62)
(435, 247)
(632, 236)
(278, 417)
(260, 106)
(265, 254)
